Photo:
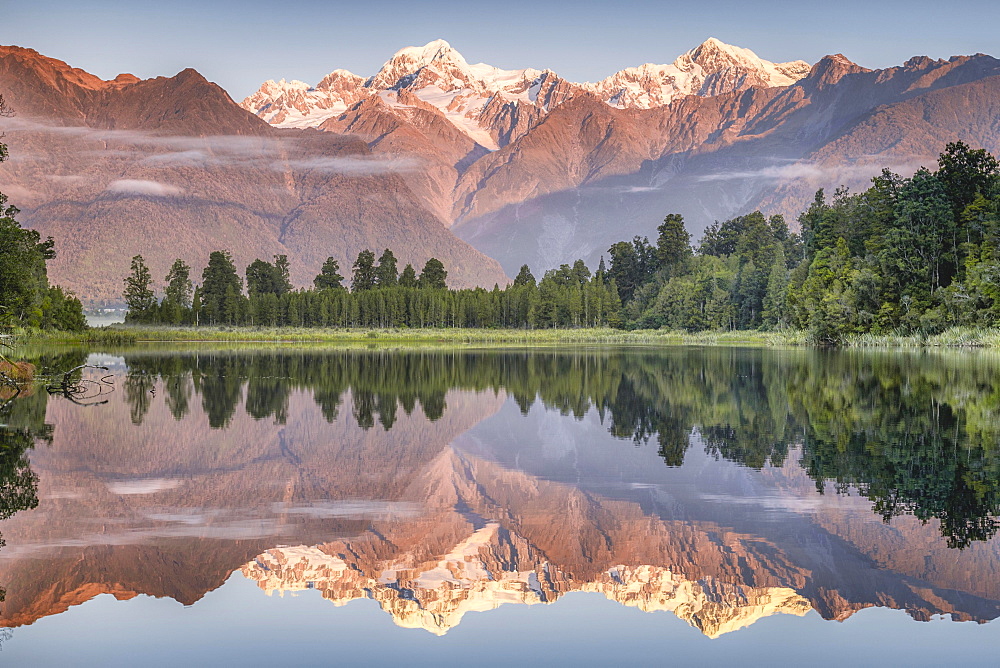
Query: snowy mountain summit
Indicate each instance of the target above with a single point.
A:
(712, 68)
(492, 106)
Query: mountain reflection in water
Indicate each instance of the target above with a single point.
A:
(723, 485)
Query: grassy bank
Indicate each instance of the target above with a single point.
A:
(956, 337)
(120, 335)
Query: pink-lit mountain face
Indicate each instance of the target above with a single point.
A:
(530, 167)
(172, 167)
(484, 168)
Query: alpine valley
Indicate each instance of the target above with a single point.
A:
(484, 168)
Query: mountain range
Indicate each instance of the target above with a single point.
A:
(483, 167)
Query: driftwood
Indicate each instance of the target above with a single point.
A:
(84, 391)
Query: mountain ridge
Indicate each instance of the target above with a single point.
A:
(466, 91)
(172, 167)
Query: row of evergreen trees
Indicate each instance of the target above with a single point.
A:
(379, 296)
(915, 254)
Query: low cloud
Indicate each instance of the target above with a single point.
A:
(357, 508)
(16, 194)
(142, 486)
(798, 170)
(170, 151)
(191, 158)
(143, 187)
(162, 150)
(814, 171)
(350, 165)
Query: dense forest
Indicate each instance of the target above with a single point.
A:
(916, 439)
(916, 254)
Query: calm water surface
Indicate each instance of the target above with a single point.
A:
(308, 506)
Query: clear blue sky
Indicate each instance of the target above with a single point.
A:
(241, 44)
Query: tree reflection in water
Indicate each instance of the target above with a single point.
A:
(914, 432)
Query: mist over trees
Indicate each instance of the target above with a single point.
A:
(26, 298)
(912, 255)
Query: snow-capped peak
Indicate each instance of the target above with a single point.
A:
(428, 53)
(711, 68)
(404, 66)
(474, 96)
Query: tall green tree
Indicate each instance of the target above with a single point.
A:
(23, 279)
(178, 284)
(673, 245)
(524, 276)
(262, 279)
(965, 172)
(176, 305)
(329, 277)
(408, 279)
(363, 276)
(433, 275)
(139, 295)
(220, 287)
(282, 274)
(631, 265)
(386, 274)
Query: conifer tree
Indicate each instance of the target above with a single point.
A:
(178, 281)
(282, 272)
(524, 276)
(408, 279)
(386, 275)
(363, 277)
(262, 279)
(329, 277)
(673, 245)
(220, 285)
(433, 276)
(138, 295)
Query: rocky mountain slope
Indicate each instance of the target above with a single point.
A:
(172, 167)
(529, 167)
(523, 165)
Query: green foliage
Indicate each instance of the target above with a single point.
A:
(26, 298)
(364, 275)
(918, 254)
(282, 282)
(139, 295)
(569, 297)
(524, 277)
(408, 279)
(433, 275)
(386, 275)
(62, 311)
(220, 285)
(176, 305)
(329, 277)
(673, 245)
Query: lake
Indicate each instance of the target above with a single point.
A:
(305, 505)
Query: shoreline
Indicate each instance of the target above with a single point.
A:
(957, 337)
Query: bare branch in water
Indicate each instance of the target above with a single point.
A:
(84, 391)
